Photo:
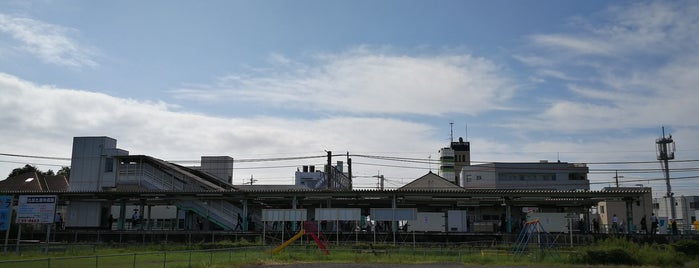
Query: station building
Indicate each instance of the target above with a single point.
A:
(107, 183)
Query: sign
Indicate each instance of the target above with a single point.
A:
(338, 214)
(5, 211)
(393, 214)
(36, 208)
(284, 215)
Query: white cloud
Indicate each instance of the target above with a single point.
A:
(50, 43)
(44, 120)
(634, 67)
(369, 82)
(656, 28)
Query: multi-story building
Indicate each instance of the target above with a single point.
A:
(542, 175)
(453, 158)
(686, 210)
(312, 178)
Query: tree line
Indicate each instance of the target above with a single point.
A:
(65, 171)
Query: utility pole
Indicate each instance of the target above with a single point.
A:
(616, 177)
(252, 180)
(665, 152)
(381, 179)
(329, 170)
(349, 170)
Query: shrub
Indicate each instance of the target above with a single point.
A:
(606, 256)
(689, 248)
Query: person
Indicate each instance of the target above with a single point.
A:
(615, 224)
(239, 226)
(644, 227)
(110, 222)
(58, 221)
(595, 225)
(653, 223)
(673, 226)
(134, 219)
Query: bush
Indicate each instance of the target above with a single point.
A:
(689, 248)
(623, 252)
(606, 256)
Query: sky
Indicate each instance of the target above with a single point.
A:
(577, 81)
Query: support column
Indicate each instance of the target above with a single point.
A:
(245, 214)
(122, 215)
(508, 219)
(394, 223)
(293, 206)
(140, 215)
(629, 215)
(150, 224)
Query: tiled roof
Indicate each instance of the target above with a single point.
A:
(33, 182)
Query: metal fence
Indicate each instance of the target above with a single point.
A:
(164, 259)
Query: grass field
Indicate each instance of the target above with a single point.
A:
(609, 252)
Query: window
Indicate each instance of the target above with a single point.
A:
(692, 205)
(601, 209)
(479, 178)
(109, 164)
(656, 205)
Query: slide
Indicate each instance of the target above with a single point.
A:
(320, 244)
(288, 242)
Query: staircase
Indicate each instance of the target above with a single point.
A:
(154, 174)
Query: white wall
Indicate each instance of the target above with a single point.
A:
(90, 168)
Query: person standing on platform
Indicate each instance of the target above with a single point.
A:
(653, 223)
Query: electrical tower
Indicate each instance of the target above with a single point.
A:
(665, 152)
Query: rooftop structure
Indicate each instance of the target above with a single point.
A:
(541, 175)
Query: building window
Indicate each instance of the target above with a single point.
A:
(109, 164)
(601, 209)
(479, 178)
(656, 205)
(692, 205)
(576, 176)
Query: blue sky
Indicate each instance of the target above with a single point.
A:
(579, 81)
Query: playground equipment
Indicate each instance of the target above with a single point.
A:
(543, 238)
(309, 228)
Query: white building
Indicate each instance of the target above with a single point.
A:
(640, 208)
(312, 178)
(686, 210)
(98, 165)
(542, 175)
(453, 158)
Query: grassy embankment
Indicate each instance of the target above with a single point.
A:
(232, 254)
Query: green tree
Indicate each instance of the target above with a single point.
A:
(65, 171)
(22, 170)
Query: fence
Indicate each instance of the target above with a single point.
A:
(246, 255)
(164, 259)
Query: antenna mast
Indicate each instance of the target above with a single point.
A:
(466, 132)
(665, 152)
(451, 132)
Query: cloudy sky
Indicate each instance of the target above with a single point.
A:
(575, 81)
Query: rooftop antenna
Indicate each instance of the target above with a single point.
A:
(451, 131)
(666, 151)
(466, 132)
